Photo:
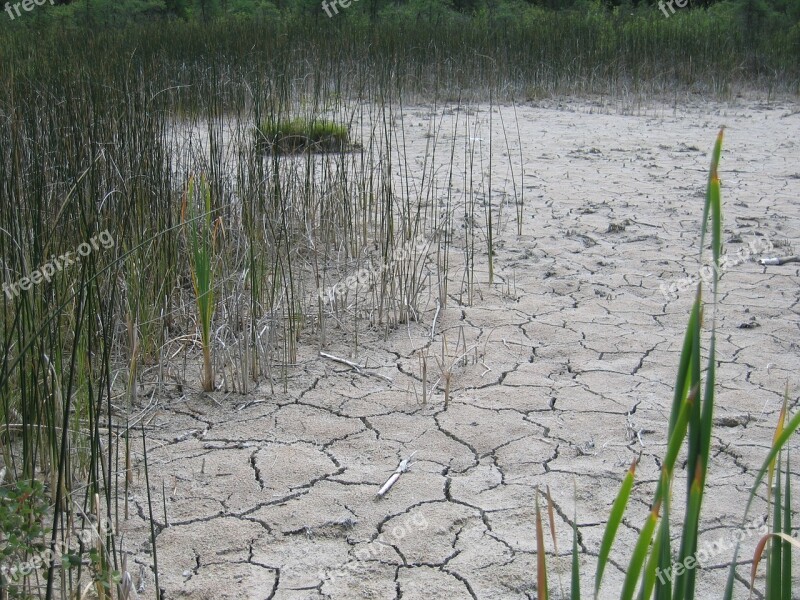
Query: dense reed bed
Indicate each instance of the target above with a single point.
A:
(527, 55)
(214, 262)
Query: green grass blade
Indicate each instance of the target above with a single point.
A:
(663, 590)
(786, 552)
(682, 381)
(541, 564)
(712, 176)
(787, 432)
(676, 441)
(701, 417)
(774, 561)
(684, 583)
(651, 570)
(664, 487)
(776, 435)
(716, 228)
(201, 249)
(695, 416)
(701, 450)
(639, 554)
(575, 589)
(614, 519)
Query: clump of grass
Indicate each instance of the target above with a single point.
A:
(777, 544)
(301, 135)
(201, 239)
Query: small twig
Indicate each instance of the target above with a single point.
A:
(356, 367)
(249, 404)
(379, 376)
(401, 468)
(776, 261)
(343, 361)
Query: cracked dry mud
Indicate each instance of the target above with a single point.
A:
(272, 496)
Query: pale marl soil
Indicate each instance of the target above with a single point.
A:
(273, 496)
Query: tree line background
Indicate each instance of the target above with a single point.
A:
(750, 15)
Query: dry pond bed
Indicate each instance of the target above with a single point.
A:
(561, 372)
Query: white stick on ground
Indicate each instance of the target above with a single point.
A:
(343, 361)
(401, 468)
(779, 260)
(355, 366)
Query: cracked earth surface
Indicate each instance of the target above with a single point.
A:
(572, 355)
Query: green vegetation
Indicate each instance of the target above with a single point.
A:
(521, 50)
(779, 540)
(200, 244)
(22, 514)
(25, 549)
(299, 134)
(211, 284)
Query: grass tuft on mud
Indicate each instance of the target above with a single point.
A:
(301, 135)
